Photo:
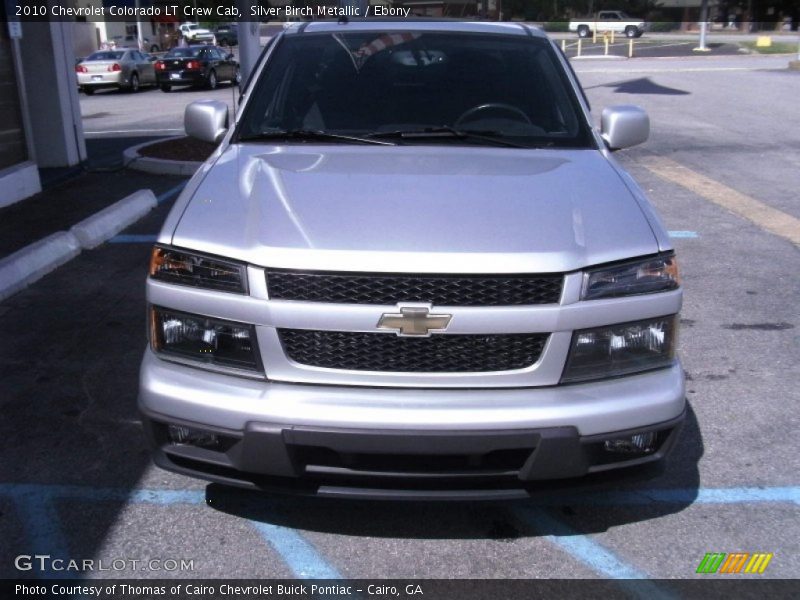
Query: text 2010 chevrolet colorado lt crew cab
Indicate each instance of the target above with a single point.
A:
(411, 268)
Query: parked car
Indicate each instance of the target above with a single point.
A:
(197, 66)
(125, 69)
(411, 268)
(227, 34)
(609, 20)
(194, 34)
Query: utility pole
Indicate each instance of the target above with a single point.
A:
(249, 38)
(139, 37)
(703, 27)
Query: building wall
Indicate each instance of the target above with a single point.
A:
(48, 62)
(19, 176)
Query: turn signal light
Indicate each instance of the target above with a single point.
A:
(115, 67)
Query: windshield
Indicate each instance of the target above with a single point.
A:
(373, 84)
(105, 56)
(183, 53)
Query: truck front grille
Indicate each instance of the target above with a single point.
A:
(355, 351)
(440, 290)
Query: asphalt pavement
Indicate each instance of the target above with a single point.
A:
(76, 479)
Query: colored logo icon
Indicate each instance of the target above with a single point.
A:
(736, 562)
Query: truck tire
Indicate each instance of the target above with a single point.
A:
(632, 32)
(583, 31)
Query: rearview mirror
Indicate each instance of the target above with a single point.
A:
(206, 120)
(624, 126)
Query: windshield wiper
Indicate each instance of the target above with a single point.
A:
(493, 137)
(311, 135)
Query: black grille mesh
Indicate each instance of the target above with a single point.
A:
(441, 290)
(388, 352)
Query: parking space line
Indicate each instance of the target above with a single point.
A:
(298, 554)
(735, 495)
(171, 192)
(683, 234)
(148, 238)
(36, 505)
(582, 547)
(42, 527)
(594, 555)
(771, 219)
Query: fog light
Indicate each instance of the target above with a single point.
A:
(193, 437)
(641, 443)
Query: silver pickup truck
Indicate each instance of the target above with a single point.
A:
(608, 21)
(412, 268)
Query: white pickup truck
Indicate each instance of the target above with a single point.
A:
(609, 20)
(194, 34)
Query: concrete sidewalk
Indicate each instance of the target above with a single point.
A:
(79, 209)
(61, 206)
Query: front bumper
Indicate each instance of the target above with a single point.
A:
(410, 443)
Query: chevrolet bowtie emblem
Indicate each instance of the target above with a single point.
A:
(414, 321)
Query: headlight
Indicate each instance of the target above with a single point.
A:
(658, 274)
(621, 349)
(188, 268)
(204, 340)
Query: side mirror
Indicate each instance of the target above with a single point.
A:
(624, 126)
(206, 120)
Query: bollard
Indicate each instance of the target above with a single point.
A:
(564, 46)
(579, 46)
(594, 34)
(612, 36)
(630, 48)
(605, 42)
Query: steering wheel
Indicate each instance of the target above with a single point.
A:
(489, 106)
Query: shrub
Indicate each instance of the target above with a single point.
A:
(556, 26)
(661, 26)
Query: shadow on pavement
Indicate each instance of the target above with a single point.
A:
(645, 85)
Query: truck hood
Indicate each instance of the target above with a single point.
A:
(437, 208)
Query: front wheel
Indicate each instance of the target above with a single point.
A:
(583, 31)
(631, 32)
(237, 77)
